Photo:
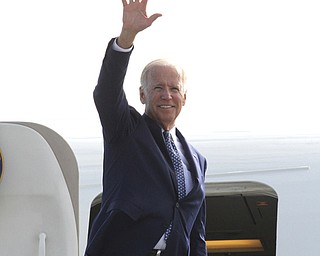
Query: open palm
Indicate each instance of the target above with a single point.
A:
(135, 18)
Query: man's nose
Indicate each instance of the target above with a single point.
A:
(166, 94)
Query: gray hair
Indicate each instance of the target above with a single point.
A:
(163, 62)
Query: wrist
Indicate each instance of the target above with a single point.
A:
(126, 38)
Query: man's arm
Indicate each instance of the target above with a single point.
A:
(109, 95)
(198, 245)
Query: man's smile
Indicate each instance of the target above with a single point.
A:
(166, 106)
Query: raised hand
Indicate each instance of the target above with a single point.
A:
(135, 19)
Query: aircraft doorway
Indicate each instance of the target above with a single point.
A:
(241, 219)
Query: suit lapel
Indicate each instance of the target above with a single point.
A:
(189, 155)
(156, 132)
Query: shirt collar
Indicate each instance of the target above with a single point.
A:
(172, 131)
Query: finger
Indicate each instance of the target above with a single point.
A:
(124, 2)
(144, 2)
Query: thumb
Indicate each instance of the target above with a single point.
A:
(155, 16)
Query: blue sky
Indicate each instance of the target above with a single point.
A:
(253, 66)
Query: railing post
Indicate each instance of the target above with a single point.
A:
(42, 244)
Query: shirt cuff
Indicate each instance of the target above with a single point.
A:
(117, 48)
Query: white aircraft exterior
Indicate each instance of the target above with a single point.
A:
(289, 166)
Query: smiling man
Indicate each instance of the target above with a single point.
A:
(153, 200)
(162, 91)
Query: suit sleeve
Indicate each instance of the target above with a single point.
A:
(109, 96)
(198, 245)
(197, 240)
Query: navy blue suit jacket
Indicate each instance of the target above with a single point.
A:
(139, 186)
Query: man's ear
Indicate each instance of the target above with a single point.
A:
(142, 95)
(184, 98)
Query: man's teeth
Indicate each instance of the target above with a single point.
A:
(165, 106)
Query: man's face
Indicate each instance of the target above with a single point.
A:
(163, 95)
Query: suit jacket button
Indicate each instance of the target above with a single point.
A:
(177, 204)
